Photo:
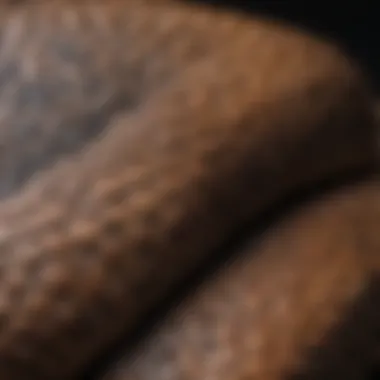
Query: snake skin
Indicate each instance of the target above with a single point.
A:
(300, 301)
(135, 137)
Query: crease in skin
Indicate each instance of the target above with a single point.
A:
(99, 221)
(283, 308)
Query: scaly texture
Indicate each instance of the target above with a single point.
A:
(135, 137)
(302, 301)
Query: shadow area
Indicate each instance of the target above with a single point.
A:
(225, 255)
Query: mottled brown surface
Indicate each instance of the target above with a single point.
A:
(303, 298)
(135, 137)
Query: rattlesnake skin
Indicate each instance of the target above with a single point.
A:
(135, 138)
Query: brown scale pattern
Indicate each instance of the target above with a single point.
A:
(301, 301)
(135, 137)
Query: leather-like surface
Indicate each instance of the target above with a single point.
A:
(135, 138)
(300, 301)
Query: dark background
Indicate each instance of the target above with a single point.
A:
(355, 27)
